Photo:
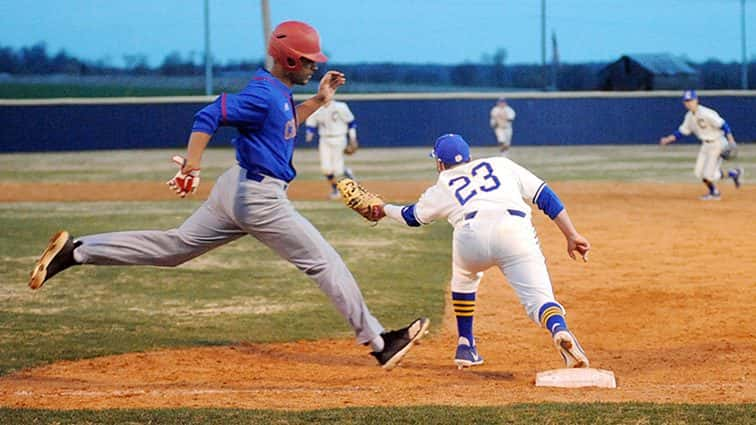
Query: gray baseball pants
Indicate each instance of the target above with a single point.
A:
(238, 206)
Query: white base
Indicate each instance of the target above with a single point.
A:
(576, 378)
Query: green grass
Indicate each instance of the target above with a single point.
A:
(536, 414)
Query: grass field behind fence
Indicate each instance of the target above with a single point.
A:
(243, 292)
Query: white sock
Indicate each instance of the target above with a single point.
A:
(77, 256)
(377, 344)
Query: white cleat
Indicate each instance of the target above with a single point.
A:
(570, 349)
(711, 197)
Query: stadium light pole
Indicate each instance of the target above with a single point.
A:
(543, 42)
(743, 54)
(266, 32)
(208, 57)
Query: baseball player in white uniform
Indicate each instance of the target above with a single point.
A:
(716, 137)
(333, 123)
(502, 116)
(487, 201)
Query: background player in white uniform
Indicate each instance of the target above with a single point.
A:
(250, 197)
(501, 117)
(333, 123)
(715, 136)
(487, 201)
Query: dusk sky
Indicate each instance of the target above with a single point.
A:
(410, 31)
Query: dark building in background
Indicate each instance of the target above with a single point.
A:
(648, 72)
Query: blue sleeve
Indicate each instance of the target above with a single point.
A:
(242, 110)
(549, 202)
(353, 124)
(726, 128)
(311, 130)
(677, 134)
(408, 214)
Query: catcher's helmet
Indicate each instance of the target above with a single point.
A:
(292, 40)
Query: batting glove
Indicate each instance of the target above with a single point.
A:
(184, 183)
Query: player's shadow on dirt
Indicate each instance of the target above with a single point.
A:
(493, 375)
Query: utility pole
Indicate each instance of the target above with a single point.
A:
(266, 32)
(208, 55)
(743, 54)
(543, 42)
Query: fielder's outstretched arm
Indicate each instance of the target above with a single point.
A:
(404, 214)
(552, 206)
(575, 242)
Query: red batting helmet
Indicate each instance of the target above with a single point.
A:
(292, 40)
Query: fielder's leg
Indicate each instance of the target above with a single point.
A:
(325, 151)
(334, 193)
(736, 174)
(708, 169)
(348, 173)
(468, 258)
(523, 263)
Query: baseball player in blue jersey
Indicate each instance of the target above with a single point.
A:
(716, 137)
(249, 198)
(487, 202)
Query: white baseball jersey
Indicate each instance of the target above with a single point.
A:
(490, 185)
(488, 203)
(705, 123)
(502, 116)
(331, 120)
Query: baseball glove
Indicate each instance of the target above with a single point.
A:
(730, 153)
(356, 197)
(351, 147)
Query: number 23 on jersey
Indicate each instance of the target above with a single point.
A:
(466, 188)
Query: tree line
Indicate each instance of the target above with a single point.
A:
(491, 71)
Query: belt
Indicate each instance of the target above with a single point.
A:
(516, 213)
(255, 176)
(251, 175)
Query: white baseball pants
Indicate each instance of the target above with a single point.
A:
(509, 242)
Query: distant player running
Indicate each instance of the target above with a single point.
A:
(333, 122)
(487, 202)
(501, 118)
(716, 137)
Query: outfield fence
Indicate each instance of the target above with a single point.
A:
(384, 120)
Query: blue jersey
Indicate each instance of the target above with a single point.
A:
(265, 115)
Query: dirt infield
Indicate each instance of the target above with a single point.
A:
(666, 302)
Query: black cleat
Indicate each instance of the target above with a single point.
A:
(57, 257)
(397, 343)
